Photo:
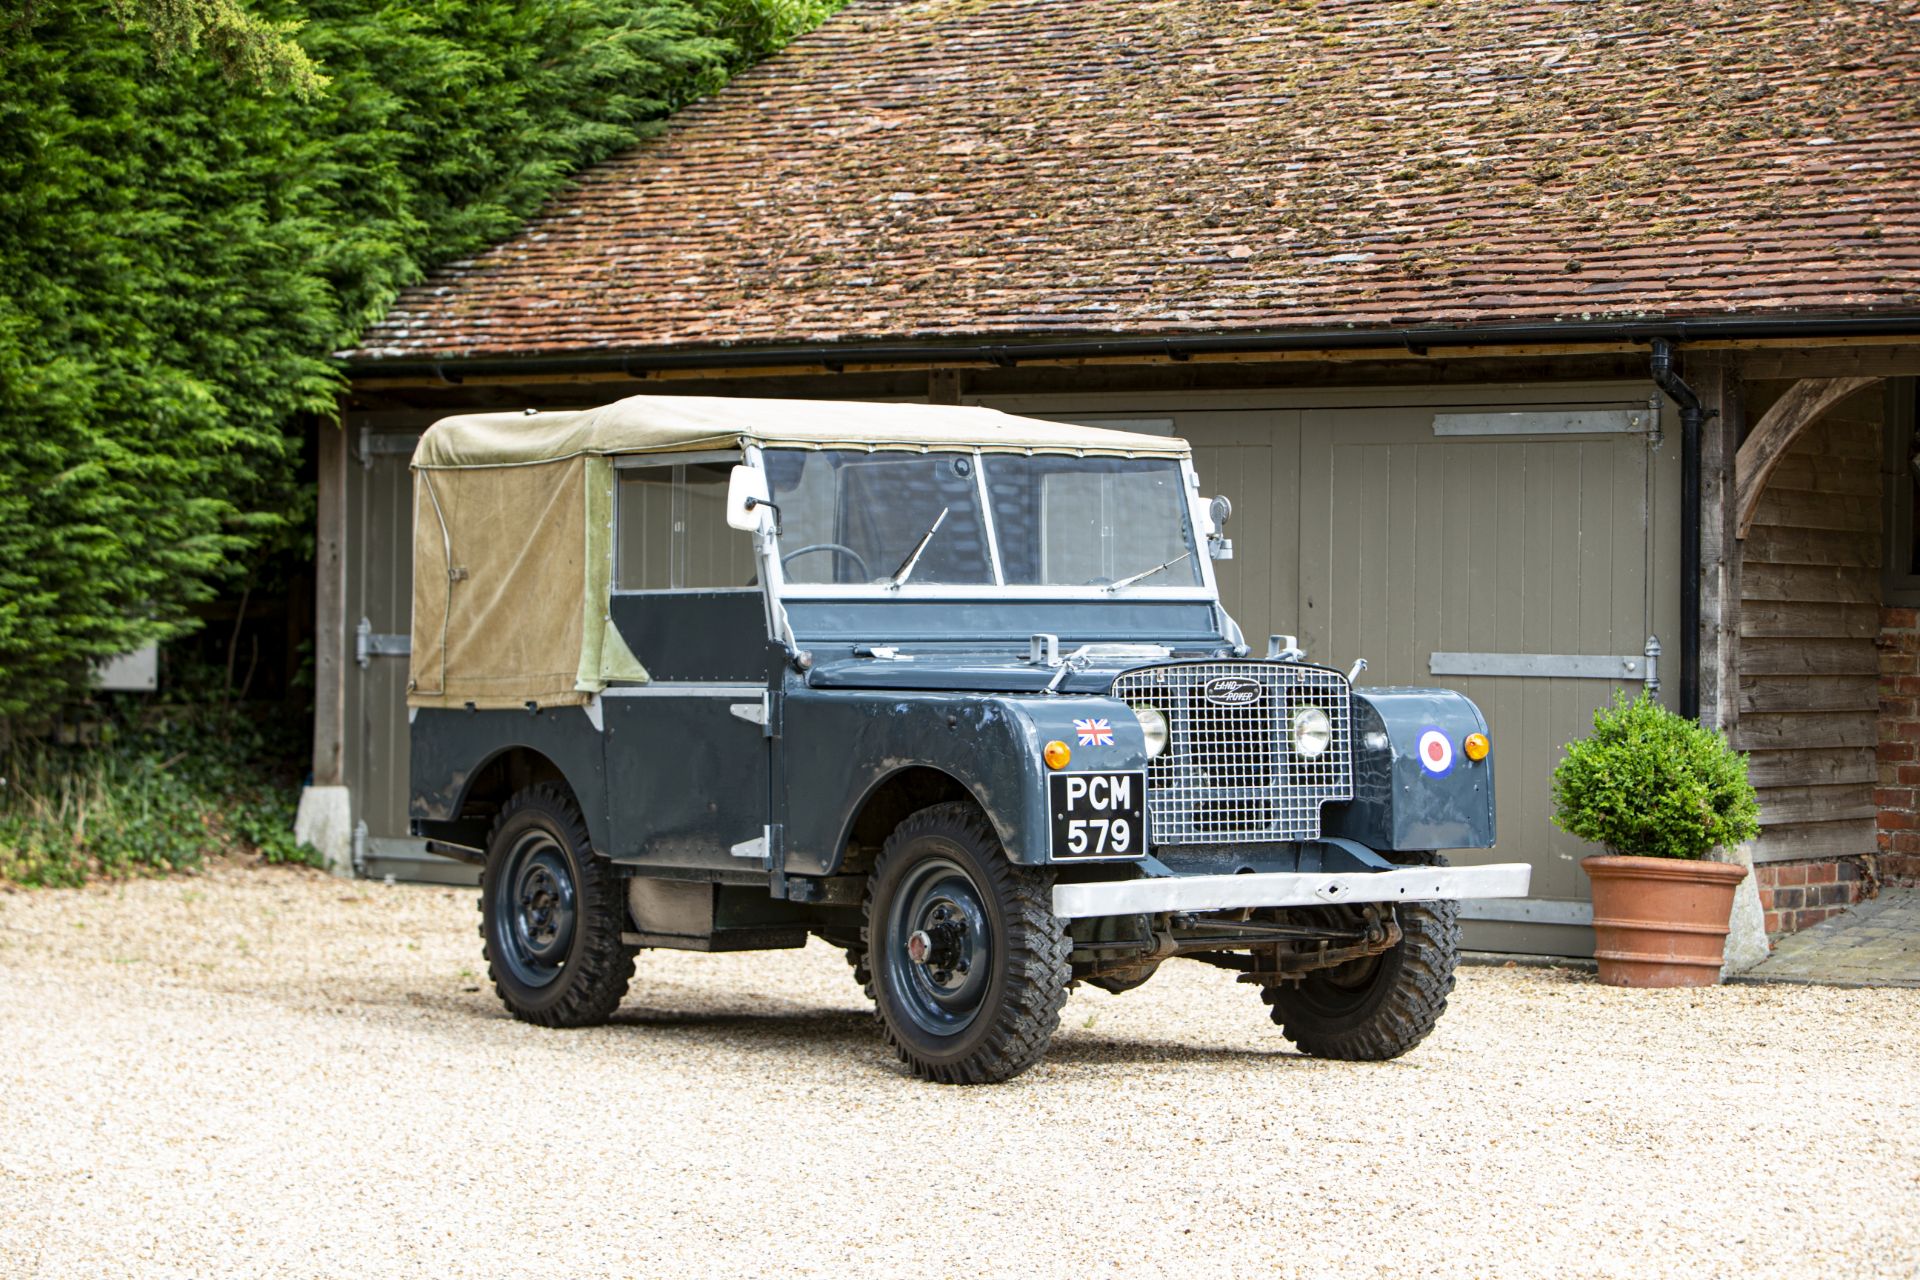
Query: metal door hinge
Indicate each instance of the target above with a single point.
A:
(760, 713)
(368, 644)
(1554, 666)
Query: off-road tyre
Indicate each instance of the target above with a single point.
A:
(576, 975)
(1015, 1008)
(1378, 1008)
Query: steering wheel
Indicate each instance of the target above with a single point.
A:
(837, 548)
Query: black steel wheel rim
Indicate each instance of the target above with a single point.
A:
(535, 909)
(940, 947)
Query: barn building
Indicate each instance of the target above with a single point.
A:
(1545, 350)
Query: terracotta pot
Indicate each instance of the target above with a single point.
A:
(1661, 922)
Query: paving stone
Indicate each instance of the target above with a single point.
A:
(1874, 943)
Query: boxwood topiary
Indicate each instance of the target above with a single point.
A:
(1650, 783)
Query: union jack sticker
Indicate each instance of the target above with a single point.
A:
(1094, 733)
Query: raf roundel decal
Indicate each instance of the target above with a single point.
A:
(1436, 753)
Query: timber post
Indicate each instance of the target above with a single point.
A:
(1718, 381)
(330, 610)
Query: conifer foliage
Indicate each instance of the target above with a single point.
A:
(186, 235)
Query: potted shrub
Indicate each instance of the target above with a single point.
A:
(1660, 793)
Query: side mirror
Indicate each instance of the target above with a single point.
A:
(1219, 545)
(748, 502)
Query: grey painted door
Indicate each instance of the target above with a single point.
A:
(1369, 535)
(380, 591)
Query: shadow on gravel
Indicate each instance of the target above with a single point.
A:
(814, 1026)
(1095, 1050)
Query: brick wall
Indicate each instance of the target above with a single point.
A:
(1796, 895)
(1898, 792)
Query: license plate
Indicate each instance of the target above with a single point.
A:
(1099, 815)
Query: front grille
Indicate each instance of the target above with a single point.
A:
(1229, 773)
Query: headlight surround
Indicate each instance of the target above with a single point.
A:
(1312, 732)
(1154, 726)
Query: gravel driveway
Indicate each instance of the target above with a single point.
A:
(268, 1072)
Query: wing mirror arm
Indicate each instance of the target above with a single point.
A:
(755, 503)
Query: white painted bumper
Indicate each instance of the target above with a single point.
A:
(1289, 889)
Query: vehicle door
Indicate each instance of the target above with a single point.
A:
(688, 757)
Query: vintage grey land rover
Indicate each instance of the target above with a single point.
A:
(948, 688)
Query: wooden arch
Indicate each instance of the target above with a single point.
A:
(1775, 433)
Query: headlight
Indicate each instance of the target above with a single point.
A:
(1312, 732)
(1154, 726)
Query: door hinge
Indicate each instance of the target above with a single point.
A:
(369, 644)
(760, 713)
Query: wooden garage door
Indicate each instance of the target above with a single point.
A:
(380, 605)
(1381, 533)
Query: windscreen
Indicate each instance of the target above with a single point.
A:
(856, 518)
(1090, 521)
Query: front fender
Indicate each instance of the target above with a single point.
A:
(1401, 802)
(841, 745)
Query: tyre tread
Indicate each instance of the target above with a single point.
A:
(1422, 980)
(596, 981)
(1037, 950)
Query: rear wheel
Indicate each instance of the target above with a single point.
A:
(966, 962)
(552, 914)
(1379, 1007)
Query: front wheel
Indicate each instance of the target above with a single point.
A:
(552, 913)
(966, 962)
(1378, 1007)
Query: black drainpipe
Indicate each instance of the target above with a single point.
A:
(1690, 415)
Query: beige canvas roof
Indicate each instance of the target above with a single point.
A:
(669, 424)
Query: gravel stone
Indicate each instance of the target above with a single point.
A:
(268, 1072)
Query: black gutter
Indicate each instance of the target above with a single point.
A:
(1660, 365)
(1416, 340)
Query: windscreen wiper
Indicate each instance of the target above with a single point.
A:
(906, 568)
(1146, 573)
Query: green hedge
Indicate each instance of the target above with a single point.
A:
(180, 253)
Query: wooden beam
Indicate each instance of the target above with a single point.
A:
(1809, 693)
(1785, 843)
(1886, 357)
(1776, 431)
(1811, 768)
(330, 610)
(1788, 806)
(1806, 729)
(1803, 657)
(1792, 619)
(1718, 386)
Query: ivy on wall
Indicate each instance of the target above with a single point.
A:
(182, 245)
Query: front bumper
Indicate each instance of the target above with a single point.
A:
(1288, 889)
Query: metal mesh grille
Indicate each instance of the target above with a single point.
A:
(1229, 773)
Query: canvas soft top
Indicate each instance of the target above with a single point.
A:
(673, 424)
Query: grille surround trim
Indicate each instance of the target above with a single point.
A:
(1229, 774)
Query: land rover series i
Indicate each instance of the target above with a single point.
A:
(950, 689)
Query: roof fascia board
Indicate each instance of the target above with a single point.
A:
(1422, 342)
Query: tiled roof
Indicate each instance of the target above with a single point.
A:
(1045, 168)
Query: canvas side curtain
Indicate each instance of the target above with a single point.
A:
(511, 571)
